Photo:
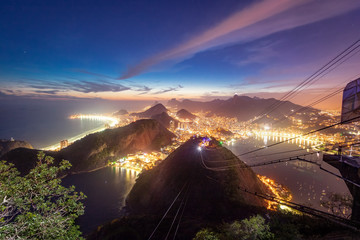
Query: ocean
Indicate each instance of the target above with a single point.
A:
(45, 122)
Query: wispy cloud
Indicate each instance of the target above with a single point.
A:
(92, 73)
(143, 89)
(82, 86)
(7, 94)
(255, 21)
(88, 87)
(170, 89)
(259, 54)
(51, 92)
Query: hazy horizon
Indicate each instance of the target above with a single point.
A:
(196, 51)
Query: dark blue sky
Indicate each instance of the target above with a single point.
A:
(162, 49)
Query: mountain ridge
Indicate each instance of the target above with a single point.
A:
(241, 107)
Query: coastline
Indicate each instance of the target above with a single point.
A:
(74, 139)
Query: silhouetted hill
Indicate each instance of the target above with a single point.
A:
(211, 196)
(8, 145)
(120, 112)
(184, 114)
(241, 107)
(165, 119)
(216, 190)
(154, 110)
(96, 150)
(224, 132)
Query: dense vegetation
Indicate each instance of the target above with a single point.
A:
(37, 206)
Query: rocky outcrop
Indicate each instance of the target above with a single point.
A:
(184, 114)
(214, 175)
(8, 145)
(188, 183)
(120, 112)
(165, 120)
(154, 110)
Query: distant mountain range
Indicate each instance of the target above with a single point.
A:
(241, 107)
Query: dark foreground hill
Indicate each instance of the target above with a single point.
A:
(193, 189)
(211, 196)
(187, 166)
(96, 150)
(8, 145)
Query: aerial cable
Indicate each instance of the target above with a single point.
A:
(305, 134)
(324, 98)
(325, 170)
(310, 78)
(167, 211)
(177, 213)
(181, 215)
(312, 81)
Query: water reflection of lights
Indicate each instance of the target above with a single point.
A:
(111, 120)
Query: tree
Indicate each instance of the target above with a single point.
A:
(206, 234)
(252, 228)
(37, 206)
(255, 228)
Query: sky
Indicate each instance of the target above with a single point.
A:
(162, 49)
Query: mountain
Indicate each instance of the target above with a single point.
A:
(216, 190)
(96, 150)
(185, 114)
(211, 196)
(241, 107)
(154, 110)
(8, 145)
(165, 119)
(120, 112)
(224, 132)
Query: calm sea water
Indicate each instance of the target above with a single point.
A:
(106, 190)
(43, 123)
(307, 182)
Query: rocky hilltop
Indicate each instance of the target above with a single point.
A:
(191, 176)
(96, 150)
(121, 112)
(214, 186)
(185, 114)
(154, 110)
(165, 120)
(8, 145)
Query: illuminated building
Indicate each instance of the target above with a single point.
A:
(64, 144)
